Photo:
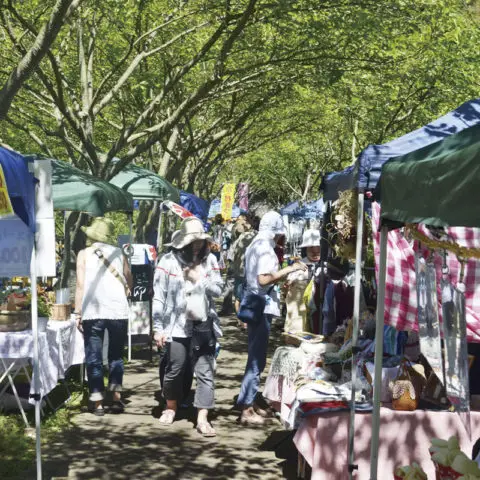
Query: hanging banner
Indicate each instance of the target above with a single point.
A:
(5, 203)
(177, 209)
(428, 321)
(242, 194)
(228, 194)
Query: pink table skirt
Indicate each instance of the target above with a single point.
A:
(404, 438)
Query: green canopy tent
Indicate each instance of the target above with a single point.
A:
(77, 191)
(436, 185)
(143, 184)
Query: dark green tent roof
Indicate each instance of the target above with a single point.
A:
(438, 185)
(77, 191)
(143, 184)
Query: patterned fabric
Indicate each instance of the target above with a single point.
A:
(400, 291)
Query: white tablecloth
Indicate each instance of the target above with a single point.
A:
(60, 346)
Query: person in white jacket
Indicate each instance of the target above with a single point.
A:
(185, 321)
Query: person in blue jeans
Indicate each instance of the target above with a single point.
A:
(103, 280)
(261, 274)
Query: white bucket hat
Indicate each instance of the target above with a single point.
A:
(272, 222)
(175, 235)
(311, 238)
(191, 229)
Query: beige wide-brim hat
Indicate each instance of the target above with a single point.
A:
(191, 229)
(101, 230)
(311, 238)
(175, 235)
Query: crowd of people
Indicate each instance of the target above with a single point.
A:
(186, 326)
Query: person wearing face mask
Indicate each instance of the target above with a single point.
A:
(187, 280)
(297, 283)
(261, 275)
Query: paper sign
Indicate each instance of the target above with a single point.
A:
(16, 244)
(228, 193)
(5, 204)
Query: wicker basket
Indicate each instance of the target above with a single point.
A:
(14, 321)
(61, 311)
(296, 338)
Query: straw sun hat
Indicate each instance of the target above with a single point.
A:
(101, 230)
(191, 229)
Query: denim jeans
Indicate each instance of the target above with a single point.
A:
(257, 359)
(93, 333)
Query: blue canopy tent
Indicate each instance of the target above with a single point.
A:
(194, 204)
(335, 182)
(290, 209)
(17, 251)
(312, 209)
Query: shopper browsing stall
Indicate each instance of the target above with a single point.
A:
(262, 274)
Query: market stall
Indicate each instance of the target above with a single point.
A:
(363, 176)
(439, 186)
(18, 184)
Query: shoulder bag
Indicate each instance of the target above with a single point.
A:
(113, 271)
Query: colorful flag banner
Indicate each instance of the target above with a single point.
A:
(228, 194)
(177, 209)
(242, 195)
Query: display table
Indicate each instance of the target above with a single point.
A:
(60, 346)
(404, 438)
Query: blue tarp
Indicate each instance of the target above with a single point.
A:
(215, 209)
(369, 163)
(194, 204)
(20, 185)
(366, 172)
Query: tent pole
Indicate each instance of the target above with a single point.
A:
(377, 382)
(36, 377)
(356, 316)
(130, 234)
(159, 229)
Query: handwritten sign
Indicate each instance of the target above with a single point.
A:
(5, 204)
(228, 194)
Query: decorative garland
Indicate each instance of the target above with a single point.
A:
(458, 250)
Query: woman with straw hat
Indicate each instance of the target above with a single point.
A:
(185, 321)
(103, 282)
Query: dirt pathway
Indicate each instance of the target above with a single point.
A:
(134, 446)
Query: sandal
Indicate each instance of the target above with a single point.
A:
(167, 418)
(205, 429)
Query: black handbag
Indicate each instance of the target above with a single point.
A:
(252, 307)
(203, 338)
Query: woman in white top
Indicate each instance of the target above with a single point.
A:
(103, 278)
(185, 321)
(296, 320)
